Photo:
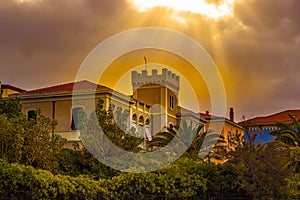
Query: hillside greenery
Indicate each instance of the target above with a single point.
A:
(35, 161)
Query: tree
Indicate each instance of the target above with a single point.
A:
(40, 146)
(214, 146)
(185, 136)
(261, 170)
(11, 107)
(103, 125)
(288, 136)
(27, 142)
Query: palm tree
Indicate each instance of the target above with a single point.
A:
(213, 146)
(288, 136)
(185, 136)
(288, 133)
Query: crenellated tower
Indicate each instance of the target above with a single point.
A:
(166, 79)
(161, 92)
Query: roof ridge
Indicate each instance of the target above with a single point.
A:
(278, 113)
(7, 86)
(281, 116)
(63, 84)
(83, 84)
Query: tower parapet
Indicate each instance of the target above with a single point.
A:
(166, 78)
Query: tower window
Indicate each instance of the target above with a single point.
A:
(141, 120)
(134, 118)
(75, 120)
(147, 122)
(171, 102)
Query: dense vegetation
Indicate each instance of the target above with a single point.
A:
(33, 160)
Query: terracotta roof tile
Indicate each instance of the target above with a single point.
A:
(81, 85)
(274, 118)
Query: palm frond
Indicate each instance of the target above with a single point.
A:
(296, 123)
(288, 133)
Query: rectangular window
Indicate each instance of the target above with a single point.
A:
(31, 114)
(171, 102)
(74, 122)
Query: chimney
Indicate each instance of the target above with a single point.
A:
(207, 112)
(231, 115)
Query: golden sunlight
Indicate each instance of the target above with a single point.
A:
(210, 10)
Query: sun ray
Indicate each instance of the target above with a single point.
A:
(210, 10)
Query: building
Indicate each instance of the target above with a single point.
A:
(262, 126)
(6, 90)
(57, 102)
(232, 134)
(160, 91)
(152, 107)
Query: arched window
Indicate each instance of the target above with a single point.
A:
(147, 122)
(141, 120)
(134, 117)
(171, 125)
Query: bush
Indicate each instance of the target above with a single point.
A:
(42, 184)
(178, 179)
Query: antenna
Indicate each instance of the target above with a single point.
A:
(145, 62)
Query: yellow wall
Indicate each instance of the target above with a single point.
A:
(63, 110)
(6, 92)
(225, 128)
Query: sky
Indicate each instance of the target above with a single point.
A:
(254, 43)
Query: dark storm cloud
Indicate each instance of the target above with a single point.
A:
(51, 38)
(267, 15)
(263, 55)
(44, 43)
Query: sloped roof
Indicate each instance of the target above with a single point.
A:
(10, 87)
(80, 85)
(208, 116)
(273, 119)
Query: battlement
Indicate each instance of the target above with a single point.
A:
(166, 78)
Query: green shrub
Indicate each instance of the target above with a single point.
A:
(42, 184)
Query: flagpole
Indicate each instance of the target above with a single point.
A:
(145, 62)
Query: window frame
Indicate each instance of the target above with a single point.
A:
(72, 120)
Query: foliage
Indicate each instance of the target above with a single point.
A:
(185, 136)
(214, 146)
(288, 136)
(294, 186)
(79, 161)
(105, 126)
(11, 107)
(180, 179)
(262, 170)
(184, 178)
(199, 144)
(42, 184)
(28, 142)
